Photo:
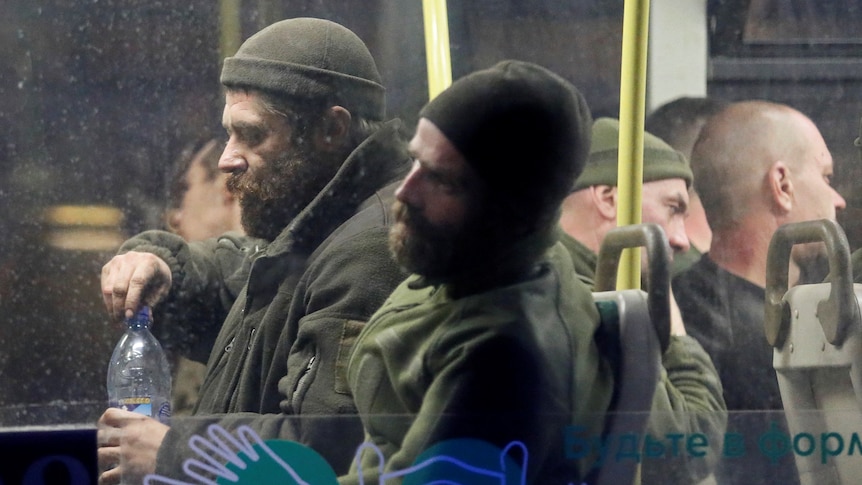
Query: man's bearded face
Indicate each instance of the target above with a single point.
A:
(426, 249)
(273, 194)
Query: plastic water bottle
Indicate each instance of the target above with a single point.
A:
(139, 378)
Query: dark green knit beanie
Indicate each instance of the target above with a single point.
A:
(524, 129)
(660, 160)
(309, 58)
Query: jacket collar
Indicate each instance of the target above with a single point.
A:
(379, 160)
(584, 259)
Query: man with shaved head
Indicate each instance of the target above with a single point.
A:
(757, 165)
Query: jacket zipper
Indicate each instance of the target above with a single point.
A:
(304, 377)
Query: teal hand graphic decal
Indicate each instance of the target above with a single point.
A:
(246, 460)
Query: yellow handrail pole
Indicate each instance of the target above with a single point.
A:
(436, 19)
(230, 35)
(632, 108)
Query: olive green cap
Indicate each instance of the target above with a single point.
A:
(660, 161)
(309, 58)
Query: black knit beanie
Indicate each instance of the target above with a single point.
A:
(524, 129)
(309, 58)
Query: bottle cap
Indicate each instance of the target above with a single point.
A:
(142, 318)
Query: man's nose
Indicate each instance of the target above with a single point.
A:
(232, 159)
(408, 191)
(837, 200)
(678, 239)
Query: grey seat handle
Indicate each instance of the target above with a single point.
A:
(653, 238)
(840, 310)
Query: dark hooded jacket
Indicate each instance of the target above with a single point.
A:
(277, 320)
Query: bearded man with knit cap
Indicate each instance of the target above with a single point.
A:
(689, 398)
(274, 314)
(491, 337)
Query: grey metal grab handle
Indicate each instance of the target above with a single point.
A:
(653, 238)
(836, 313)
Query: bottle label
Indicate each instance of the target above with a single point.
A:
(140, 405)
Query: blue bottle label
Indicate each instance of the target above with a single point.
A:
(140, 405)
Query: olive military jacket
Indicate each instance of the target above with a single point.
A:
(517, 363)
(687, 401)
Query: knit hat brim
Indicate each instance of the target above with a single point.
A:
(660, 160)
(364, 97)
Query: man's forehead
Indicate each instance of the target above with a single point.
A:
(251, 113)
(431, 146)
(670, 185)
(243, 101)
(823, 160)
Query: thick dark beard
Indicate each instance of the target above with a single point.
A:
(422, 248)
(483, 252)
(272, 195)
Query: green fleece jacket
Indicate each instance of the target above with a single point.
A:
(277, 320)
(688, 399)
(515, 363)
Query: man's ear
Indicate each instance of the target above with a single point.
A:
(780, 186)
(333, 129)
(605, 199)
